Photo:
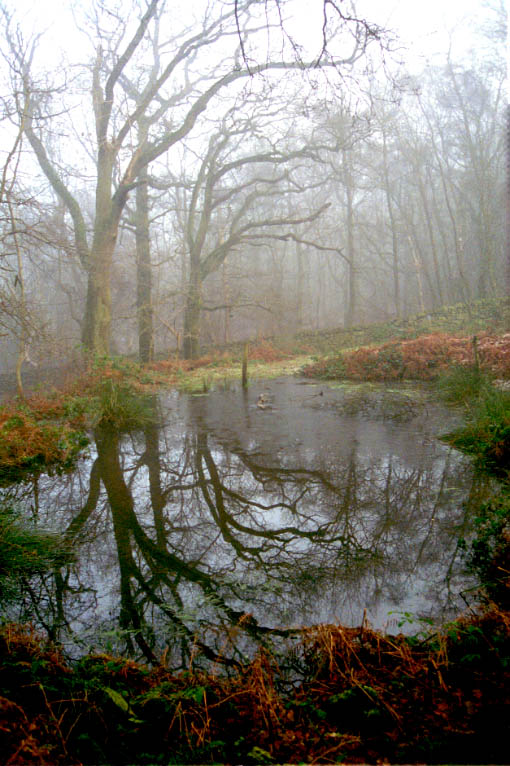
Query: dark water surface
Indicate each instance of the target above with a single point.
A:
(232, 519)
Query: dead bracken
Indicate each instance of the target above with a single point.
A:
(423, 358)
(349, 695)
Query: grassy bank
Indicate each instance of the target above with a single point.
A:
(460, 319)
(50, 428)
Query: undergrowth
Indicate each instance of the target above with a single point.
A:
(122, 407)
(30, 442)
(464, 384)
(491, 315)
(355, 696)
(488, 552)
(49, 430)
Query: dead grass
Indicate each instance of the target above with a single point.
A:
(352, 695)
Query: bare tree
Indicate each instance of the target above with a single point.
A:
(239, 199)
(120, 159)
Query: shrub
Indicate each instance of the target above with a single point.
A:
(330, 368)
(27, 443)
(356, 696)
(425, 358)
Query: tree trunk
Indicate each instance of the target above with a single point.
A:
(227, 301)
(19, 364)
(191, 332)
(98, 309)
(97, 321)
(351, 309)
(393, 227)
(299, 286)
(144, 272)
(437, 292)
(507, 243)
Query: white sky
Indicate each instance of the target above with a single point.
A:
(428, 27)
(424, 25)
(421, 20)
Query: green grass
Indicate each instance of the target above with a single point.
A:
(486, 433)
(25, 551)
(121, 406)
(464, 385)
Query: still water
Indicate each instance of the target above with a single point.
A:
(239, 516)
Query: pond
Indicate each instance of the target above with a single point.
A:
(242, 515)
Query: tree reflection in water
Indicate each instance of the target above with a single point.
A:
(220, 531)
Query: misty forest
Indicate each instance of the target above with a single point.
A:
(255, 379)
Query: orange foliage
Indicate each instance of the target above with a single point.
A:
(264, 351)
(422, 358)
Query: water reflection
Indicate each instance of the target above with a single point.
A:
(229, 524)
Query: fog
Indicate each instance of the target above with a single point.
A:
(176, 177)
